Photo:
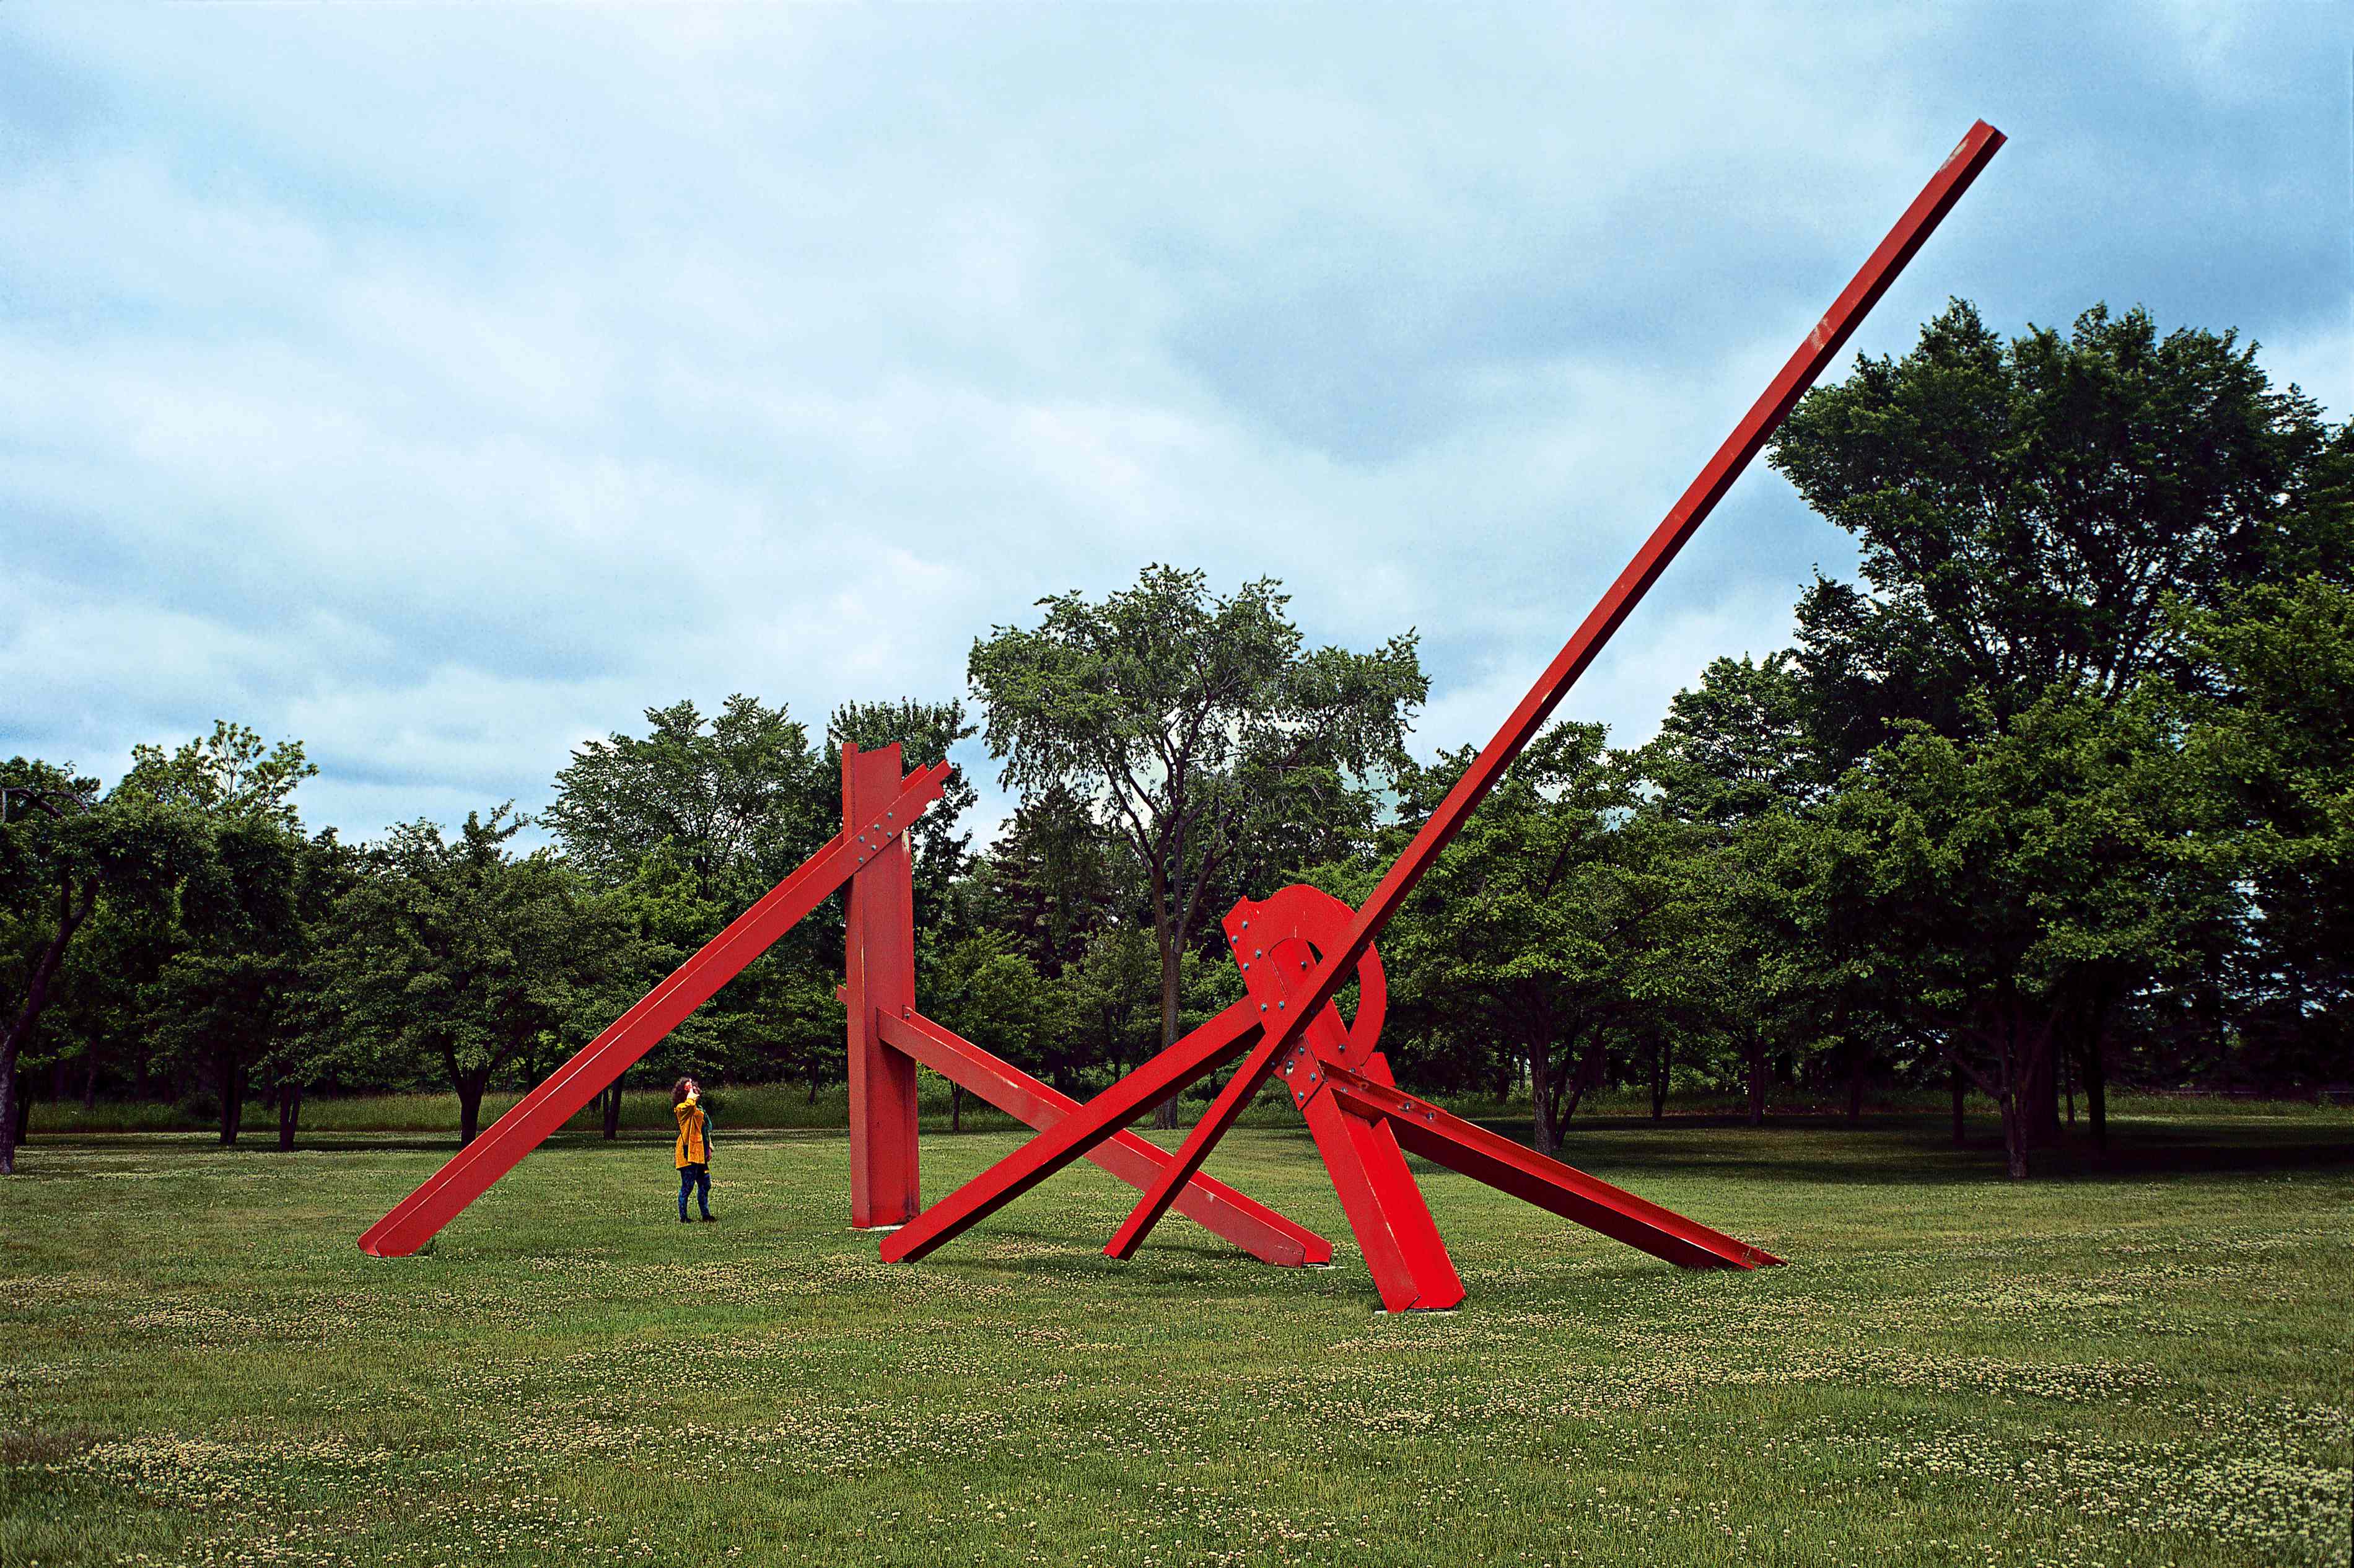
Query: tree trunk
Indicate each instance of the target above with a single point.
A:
(290, 1112)
(1857, 1056)
(2095, 1067)
(2068, 1084)
(470, 1107)
(1548, 1135)
(1659, 1078)
(71, 913)
(1171, 960)
(1757, 1053)
(955, 1108)
(2096, 1091)
(1959, 1125)
(2014, 1133)
(612, 1098)
(2038, 1097)
(90, 1079)
(57, 1081)
(231, 1082)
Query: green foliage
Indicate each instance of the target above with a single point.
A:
(231, 775)
(1558, 925)
(925, 732)
(2007, 875)
(2271, 734)
(457, 955)
(2027, 510)
(740, 798)
(1194, 726)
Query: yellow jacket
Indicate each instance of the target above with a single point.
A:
(693, 1149)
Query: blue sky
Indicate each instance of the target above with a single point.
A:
(443, 386)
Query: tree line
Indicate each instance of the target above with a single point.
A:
(2058, 793)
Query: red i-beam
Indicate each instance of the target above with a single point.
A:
(1297, 958)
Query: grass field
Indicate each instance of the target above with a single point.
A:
(2144, 1360)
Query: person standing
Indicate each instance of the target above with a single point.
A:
(694, 1146)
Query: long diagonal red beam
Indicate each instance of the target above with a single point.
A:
(1110, 1110)
(415, 1220)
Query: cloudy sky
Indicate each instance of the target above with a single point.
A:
(442, 386)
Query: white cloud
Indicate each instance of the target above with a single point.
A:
(444, 386)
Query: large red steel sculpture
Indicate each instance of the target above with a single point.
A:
(1295, 950)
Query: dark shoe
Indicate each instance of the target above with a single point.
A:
(710, 1219)
(682, 1219)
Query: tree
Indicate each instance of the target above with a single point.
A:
(1051, 882)
(2031, 515)
(223, 1001)
(457, 953)
(1180, 716)
(1737, 758)
(62, 847)
(229, 776)
(2027, 511)
(2271, 736)
(684, 827)
(1112, 1023)
(2008, 877)
(1557, 922)
(925, 732)
(740, 798)
(227, 996)
(992, 996)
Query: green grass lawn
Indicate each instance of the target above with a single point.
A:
(2143, 1361)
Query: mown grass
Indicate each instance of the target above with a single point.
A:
(2142, 1360)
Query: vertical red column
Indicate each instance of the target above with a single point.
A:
(880, 974)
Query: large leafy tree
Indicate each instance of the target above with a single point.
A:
(63, 847)
(738, 797)
(1184, 718)
(993, 996)
(1052, 881)
(231, 995)
(2272, 735)
(456, 954)
(1560, 922)
(938, 843)
(682, 828)
(2027, 510)
(2008, 877)
(2034, 517)
(1738, 759)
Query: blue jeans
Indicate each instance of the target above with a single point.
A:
(695, 1179)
